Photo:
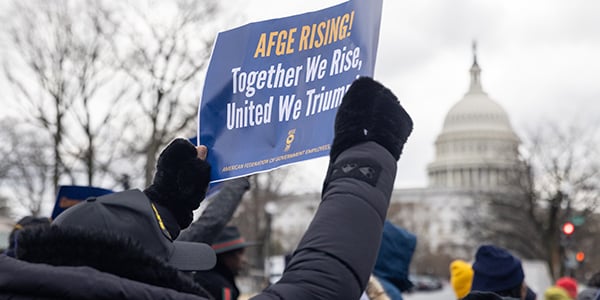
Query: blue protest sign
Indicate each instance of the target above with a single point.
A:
(272, 88)
(69, 195)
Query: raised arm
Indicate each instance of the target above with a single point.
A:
(219, 211)
(338, 251)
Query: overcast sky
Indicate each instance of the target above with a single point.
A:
(540, 61)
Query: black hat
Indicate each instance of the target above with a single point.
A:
(31, 221)
(28, 221)
(230, 239)
(132, 215)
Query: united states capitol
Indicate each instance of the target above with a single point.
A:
(476, 153)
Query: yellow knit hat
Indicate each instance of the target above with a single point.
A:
(461, 277)
(556, 293)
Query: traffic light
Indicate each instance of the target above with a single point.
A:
(568, 228)
(580, 256)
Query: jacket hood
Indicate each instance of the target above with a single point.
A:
(21, 280)
(395, 252)
(102, 251)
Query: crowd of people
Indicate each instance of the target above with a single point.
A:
(145, 244)
(126, 245)
(498, 274)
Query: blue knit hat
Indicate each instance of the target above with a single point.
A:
(495, 269)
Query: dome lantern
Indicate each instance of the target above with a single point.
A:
(475, 73)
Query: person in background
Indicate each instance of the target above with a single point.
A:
(393, 261)
(592, 290)
(332, 261)
(374, 290)
(497, 271)
(480, 295)
(221, 207)
(569, 284)
(556, 293)
(220, 281)
(231, 259)
(124, 241)
(25, 222)
(461, 277)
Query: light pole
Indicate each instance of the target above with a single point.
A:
(567, 230)
(270, 211)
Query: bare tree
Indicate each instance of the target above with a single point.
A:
(5, 210)
(27, 158)
(73, 65)
(58, 64)
(100, 89)
(251, 216)
(38, 68)
(164, 60)
(560, 179)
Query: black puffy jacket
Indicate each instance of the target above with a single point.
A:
(333, 260)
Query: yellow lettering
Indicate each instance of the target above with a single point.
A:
(291, 40)
(260, 48)
(320, 28)
(344, 27)
(325, 40)
(312, 36)
(333, 36)
(281, 42)
(271, 42)
(280, 49)
(323, 33)
(303, 45)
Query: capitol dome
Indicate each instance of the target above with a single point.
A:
(476, 111)
(477, 147)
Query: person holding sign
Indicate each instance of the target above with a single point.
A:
(121, 245)
(338, 251)
(333, 260)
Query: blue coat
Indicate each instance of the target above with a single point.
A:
(392, 266)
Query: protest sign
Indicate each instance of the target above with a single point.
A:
(272, 88)
(69, 195)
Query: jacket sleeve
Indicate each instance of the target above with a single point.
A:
(217, 214)
(24, 280)
(337, 252)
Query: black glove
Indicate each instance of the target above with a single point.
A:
(370, 112)
(181, 181)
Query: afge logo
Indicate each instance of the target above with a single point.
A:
(290, 139)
